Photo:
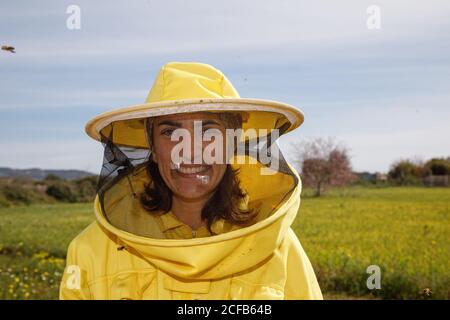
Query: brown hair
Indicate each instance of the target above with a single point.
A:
(225, 201)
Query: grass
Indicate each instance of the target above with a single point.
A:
(33, 244)
(403, 230)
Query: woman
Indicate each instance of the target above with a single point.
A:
(194, 200)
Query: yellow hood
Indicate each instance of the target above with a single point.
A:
(211, 257)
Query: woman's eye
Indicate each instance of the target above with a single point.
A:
(167, 132)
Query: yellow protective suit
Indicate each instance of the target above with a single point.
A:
(128, 253)
(262, 261)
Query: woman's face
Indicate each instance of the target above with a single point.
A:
(189, 181)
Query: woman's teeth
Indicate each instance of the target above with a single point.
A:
(191, 170)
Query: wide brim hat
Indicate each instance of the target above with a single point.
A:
(186, 87)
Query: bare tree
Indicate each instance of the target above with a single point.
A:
(323, 162)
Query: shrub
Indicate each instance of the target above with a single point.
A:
(438, 167)
(62, 191)
(405, 172)
(86, 188)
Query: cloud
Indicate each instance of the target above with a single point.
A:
(380, 132)
(368, 88)
(152, 27)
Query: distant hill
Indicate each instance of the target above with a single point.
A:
(40, 174)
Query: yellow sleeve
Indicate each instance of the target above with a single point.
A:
(74, 282)
(301, 283)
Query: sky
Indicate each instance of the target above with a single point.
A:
(383, 93)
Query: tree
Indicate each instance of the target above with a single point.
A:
(406, 172)
(323, 163)
(438, 167)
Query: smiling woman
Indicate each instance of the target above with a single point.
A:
(179, 217)
(197, 192)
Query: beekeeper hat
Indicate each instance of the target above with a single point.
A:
(183, 87)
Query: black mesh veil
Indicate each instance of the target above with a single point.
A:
(123, 174)
(118, 162)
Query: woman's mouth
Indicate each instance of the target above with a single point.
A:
(189, 170)
(192, 170)
(200, 173)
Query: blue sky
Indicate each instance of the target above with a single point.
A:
(382, 93)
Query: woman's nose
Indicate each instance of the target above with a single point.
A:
(196, 145)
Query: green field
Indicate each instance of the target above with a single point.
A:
(404, 231)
